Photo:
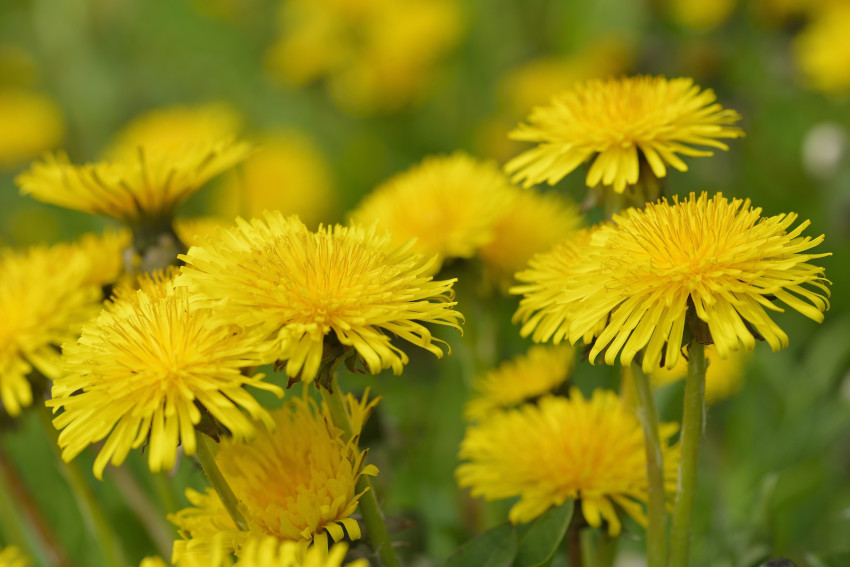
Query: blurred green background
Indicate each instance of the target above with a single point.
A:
(775, 480)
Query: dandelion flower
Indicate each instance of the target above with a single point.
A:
(142, 371)
(295, 484)
(565, 448)
(534, 222)
(822, 49)
(146, 187)
(12, 557)
(268, 552)
(345, 284)
(616, 123)
(449, 204)
(716, 259)
(46, 294)
(538, 372)
(32, 123)
(152, 562)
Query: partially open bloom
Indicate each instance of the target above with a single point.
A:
(565, 448)
(148, 185)
(616, 123)
(46, 294)
(296, 484)
(711, 262)
(538, 372)
(12, 557)
(449, 204)
(141, 372)
(345, 284)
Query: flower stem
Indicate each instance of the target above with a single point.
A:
(375, 526)
(693, 421)
(656, 538)
(207, 460)
(598, 548)
(93, 515)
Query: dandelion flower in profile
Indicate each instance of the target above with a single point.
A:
(714, 263)
(616, 123)
(269, 552)
(143, 371)
(296, 484)
(565, 448)
(46, 294)
(146, 187)
(449, 204)
(538, 372)
(12, 557)
(346, 285)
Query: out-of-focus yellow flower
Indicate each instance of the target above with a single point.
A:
(32, 123)
(723, 378)
(287, 172)
(449, 204)
(565, 448)
(378, 55)
(46, 294)
(152, 562)
(296, 484)
(105, 254)
(700, 16)
(12, 557)
(822, 50)
(192, 231)
(538, 372)
(312, 289)
(617, 123)
(533, 222)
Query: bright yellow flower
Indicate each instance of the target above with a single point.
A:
(449, 204)
(565, 448)
(105, 254)
(616, 123)
(12, 557)
(822, 50)
(32, 124)
(296, 484)
(723, 377)
(533, 222)
(46, 294)
(636, 282)
(147, 186)
(268, 552)
(152, 562)
(538, 372)
(341, 283)
(143, 369)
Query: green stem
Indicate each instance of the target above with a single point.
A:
(693, 421)
(206, 458)
(93, 515)
(375, 526)
(656, 533)
(598, 548)
(165, 493)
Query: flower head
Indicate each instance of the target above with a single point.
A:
(449, 204)
(345, 284)
(635, 284)
(140, 371)
(268, 552)
(46, 294)
(32, 123)
(148, 185)
(296, 484)
(822, 49)
(12, 557)
(538, 372)
(564, 448)
(616, 123)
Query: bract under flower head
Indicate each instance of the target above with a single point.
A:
(565, 448)
(140, 371)
(345, 284)
(616, 123)
(295, 484)
(634, 285)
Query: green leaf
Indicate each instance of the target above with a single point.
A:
(543, 537)
(494, 548)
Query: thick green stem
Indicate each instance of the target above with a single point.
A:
(656, 537)
(372, 515)
(598, 548)
(693, 421)
(206, 458)
(93, 515)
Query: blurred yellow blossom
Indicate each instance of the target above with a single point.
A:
(698, 15)
(723, 378)
(822, 49)
(12, 557)
(31, 124)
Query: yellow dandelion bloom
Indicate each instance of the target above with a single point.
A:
(296, 484)
(723, 377)
(46, 294)
(140, 371)
(344, 283)
(152, 562)
(12, 557)
(540, 371)
(449, 204)
(269, 552)
(105, 254)
(822, 49)
(192, 231)
(636, 282)
(565, 448)
(32, 124)
(533, 222)
(147, 185)
(616, 123)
